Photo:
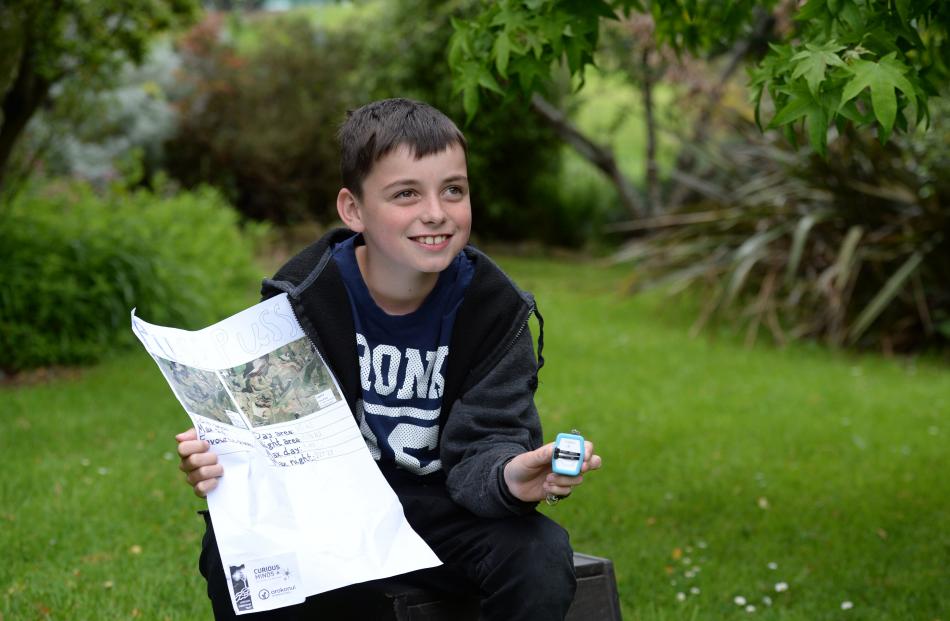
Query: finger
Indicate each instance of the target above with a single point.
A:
(595, 462)
(203, 488)
(558, 490)
(191, 447)
(205, 473)
(198, 460)
(588, 450)
(562, 480)
(540, 456)
(191, 434)
(545, 453)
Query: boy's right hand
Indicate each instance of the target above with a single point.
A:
(199, 464)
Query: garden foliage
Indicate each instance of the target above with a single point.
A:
(868, 63)
(74, 263)
(259, 102)
(260, 98)
(850, 250)
(51, 52)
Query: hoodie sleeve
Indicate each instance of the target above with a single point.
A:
(492, 422)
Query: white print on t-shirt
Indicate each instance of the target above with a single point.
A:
(408, 385)
(420, 381)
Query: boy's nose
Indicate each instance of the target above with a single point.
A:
(433, 211)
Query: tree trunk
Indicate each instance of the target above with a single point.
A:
(600, 156)
(756, 43)
(21, 101)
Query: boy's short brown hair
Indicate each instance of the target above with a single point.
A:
(372, 131)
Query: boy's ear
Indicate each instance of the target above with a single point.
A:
(348, 208)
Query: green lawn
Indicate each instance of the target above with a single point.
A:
(719, 461)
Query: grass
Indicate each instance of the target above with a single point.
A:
(719, 460)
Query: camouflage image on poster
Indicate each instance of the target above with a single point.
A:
(200, 391)
(286, 384)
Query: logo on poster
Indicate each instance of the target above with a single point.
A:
(242, 594)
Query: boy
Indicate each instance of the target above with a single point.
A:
(429, 342)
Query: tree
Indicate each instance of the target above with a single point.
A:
(867, 64)
(51, 46)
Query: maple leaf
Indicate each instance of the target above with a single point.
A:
(884, 78)
(814, 60)
(802, 103)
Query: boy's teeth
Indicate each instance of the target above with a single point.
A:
(430, 240)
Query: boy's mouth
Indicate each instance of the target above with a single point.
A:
(430, 240)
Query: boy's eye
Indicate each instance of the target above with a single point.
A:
(404, 194)
(455, 190)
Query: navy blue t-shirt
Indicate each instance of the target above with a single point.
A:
(402, 361)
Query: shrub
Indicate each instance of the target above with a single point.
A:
(851, 250)
(74, 263)
(260, 102)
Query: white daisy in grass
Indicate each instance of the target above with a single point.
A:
(739, 600)
(772, 565)
(846, 605)
(781, 587)
(694, 590)
(681, 597)
(750, 608)
(767, 600)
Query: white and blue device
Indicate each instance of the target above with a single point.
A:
(568, 457)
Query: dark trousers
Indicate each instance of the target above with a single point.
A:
(521, 567)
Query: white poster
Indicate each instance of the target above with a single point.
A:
(302, 507)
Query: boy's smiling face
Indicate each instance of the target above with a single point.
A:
(415, 215)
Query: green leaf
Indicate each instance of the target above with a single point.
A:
(502, 54)
(813, 9)
(600, 9)
(845, 260)
(487, 80)
(798, 245)
(470, 102)
(884, 297)
(850, 111)
(882, 77)
(814, 60)
(801, 103)
(903, 9)
(455, 49)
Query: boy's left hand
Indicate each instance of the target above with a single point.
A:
(529, 476)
